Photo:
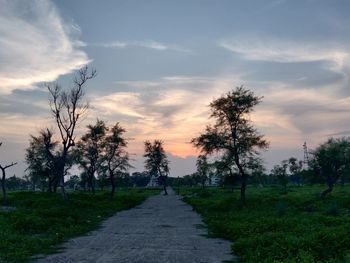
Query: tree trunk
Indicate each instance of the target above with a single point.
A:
(243, 187)
(63, 191)
(330, 185)
(164, 187)
(243, 178)
(91, 182)
(111, 176)
(3, 186)
(60, 174)
(49, 187)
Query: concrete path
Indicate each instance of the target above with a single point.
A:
(162, 229)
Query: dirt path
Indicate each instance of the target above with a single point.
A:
(162, 229)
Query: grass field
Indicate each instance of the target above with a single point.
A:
(42, 221)
(275, 227)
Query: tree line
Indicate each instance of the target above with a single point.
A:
(100, 150)
(231, 143)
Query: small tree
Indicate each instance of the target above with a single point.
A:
(114, 153)
(295, 168)
(89, 149)
(202, 169)
(40, 166)
(233, 134)
(67, 109)
(280, 172)
(330, 160)
(156, 162)
(3, 179)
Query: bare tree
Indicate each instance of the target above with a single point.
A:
(3, 179)
(67, 108)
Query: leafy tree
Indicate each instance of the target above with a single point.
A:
(3, 168)
(233, 134)
(89, 149)
(41, 168)
(202, 169)
(115, 156)
(67, 109)
(258, 171)
(280, 172)
(15, 183)
(295, 167)
(330, 160)
(156, 162)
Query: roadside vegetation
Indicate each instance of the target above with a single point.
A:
(272, 226)
(36, 226)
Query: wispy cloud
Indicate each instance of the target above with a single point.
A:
(277, 50)
(151, 44)
(36, 44)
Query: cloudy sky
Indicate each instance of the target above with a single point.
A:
(161, 62)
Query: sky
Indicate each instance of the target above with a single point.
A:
(160, 63)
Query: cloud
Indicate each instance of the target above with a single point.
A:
(151, 44)
(278, 50)
(36, 45)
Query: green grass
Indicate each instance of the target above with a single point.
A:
(272, 227)
(42, 221)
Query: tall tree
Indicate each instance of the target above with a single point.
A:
(67, 109)
(3, 168)
(233, 134)
(156, 162)
(115, 156)
(89, 151)
(202, 169)
(330, 160)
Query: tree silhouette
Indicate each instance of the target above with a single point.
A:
(89, 150)
(40, 166)
(330, 160)
(67, 109)
(202, 169)
(233, 134)
(156, 162)
(3, 179)
(115, 155)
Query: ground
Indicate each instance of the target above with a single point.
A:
(162, 229)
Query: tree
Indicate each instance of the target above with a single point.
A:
(89, 149)
(3, 179)
(295, 168)
(202, 169)
(67, 109)
(40, 167)
(114, 153)
(280, 172)
(156, 162)
(330, 160)
(233, 134)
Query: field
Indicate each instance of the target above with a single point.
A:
(42, 221)
(276, 227)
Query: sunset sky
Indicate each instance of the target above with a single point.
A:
(160, 63)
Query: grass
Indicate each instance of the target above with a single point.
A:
(275, 227)
(41, 221)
